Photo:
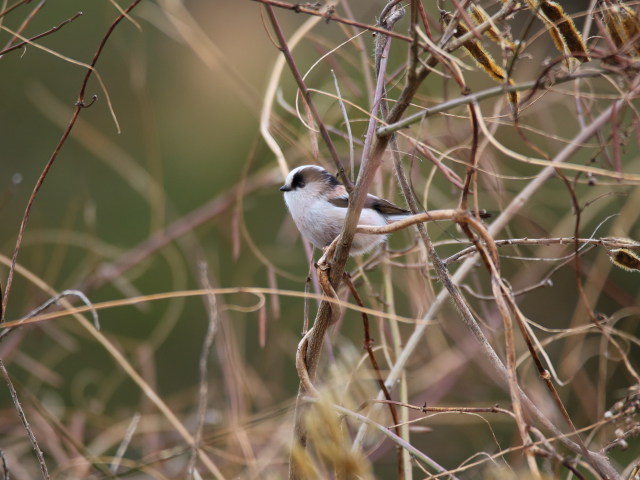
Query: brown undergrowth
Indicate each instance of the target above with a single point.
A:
(160, 310)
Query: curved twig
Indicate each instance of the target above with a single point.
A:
(301, 366)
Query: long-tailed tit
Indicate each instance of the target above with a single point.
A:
(318, 204)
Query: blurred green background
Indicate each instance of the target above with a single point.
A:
(184, 126)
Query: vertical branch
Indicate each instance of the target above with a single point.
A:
(506, 304)
(368, 344)
(489, 255)
(403, 390)
(381, 55)
(414, 49)
(347, 124)
(307, 96)
(25, 423)
(368, 170)
(473, 161)
(333, 267)
(5, 465)
(212, 328)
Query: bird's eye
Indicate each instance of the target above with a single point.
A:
(298, 181)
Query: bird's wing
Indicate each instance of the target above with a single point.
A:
(341, 201)
(378, 204)
(385, 207)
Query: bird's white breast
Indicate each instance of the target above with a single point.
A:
(320, 221)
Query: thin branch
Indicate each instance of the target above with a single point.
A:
(52, 301)
(212, 328)
(607, 242)
(482, 95)
(25, 23)
(368, 346)
(307, 97)
(5, 466)
(40, 35)
(25, 422)
(473, 162)
(124, 444)
(13, 7)
(328, 16)
(425, 409)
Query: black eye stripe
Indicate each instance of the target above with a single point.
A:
(331, 180)
(297, 181)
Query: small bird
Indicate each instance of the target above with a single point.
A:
(318, 204)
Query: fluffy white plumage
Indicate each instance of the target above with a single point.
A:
(318, 204)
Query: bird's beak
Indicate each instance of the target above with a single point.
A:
(284, 188)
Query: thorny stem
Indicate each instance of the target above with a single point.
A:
(425, 409)
(607, 242)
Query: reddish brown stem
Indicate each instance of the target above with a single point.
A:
(368, 343)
